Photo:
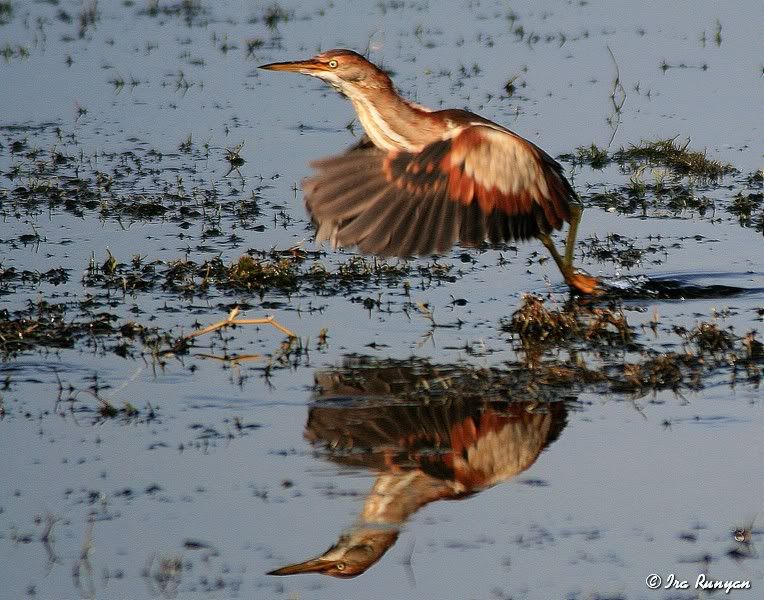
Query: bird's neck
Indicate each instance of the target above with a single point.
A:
(396, 496)
(393, 123)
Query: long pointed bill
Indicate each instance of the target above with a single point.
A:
(314, 565)
(298, 66)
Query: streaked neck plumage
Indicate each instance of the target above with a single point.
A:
(391, 122)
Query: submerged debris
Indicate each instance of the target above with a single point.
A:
(534, 323)
(623, 251)
(533, 320)
(11, 278)
(664, 371)
(709, 338)
(594, 156)
(281, 271)
(254, 273)
(587, 331)
(44, 325)
(749, 209)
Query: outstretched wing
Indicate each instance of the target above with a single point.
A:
(482, 183)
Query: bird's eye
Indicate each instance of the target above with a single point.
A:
(333, 65)
(340, 566)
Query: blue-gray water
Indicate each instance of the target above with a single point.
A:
(634, 484)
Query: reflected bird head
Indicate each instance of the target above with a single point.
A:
(355, 552)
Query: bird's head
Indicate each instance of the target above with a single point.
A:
(352, 555)
(345, 70)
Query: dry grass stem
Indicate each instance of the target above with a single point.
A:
(232, 320)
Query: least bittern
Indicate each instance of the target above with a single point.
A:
(422, 452)
(426, 179)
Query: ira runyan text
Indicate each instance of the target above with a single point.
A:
(704, 583)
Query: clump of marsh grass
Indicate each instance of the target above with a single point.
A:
(672, 155)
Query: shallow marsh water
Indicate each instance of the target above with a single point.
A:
(179, 475)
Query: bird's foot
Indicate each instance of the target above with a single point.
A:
(583, 283)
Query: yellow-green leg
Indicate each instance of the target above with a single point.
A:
(579, 281)
(570, 245)
(546, 239)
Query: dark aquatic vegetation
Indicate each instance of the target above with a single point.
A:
(668, 153)
(234, 158)
(675, 156)
(749, 208)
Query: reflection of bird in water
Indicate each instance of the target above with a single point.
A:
(425, 179)
(445, 448)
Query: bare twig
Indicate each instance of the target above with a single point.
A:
(617, 99)
(232, 320)
(233, 360)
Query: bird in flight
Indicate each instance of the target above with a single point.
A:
(423, 180)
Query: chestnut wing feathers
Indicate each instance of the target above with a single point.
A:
(482, 184)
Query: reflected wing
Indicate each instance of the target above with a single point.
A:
(474, 443)
(483, 183)
(452, 422)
